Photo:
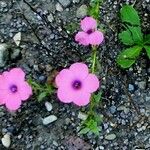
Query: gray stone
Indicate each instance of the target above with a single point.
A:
(64, 3)
(110, 137)
(113, 109)
(3, 4)
(81, 11)
(147, 98)
(101, 147)
(3, 54)
(59, 7)
(76, 1)
(50, 18)
(15, 53)
(49, 119)
(130, 87)
(142, 85)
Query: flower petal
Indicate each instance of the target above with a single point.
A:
(25, 91)
(81, 98)
(3, 83)
(82, 38)
(64, 95)
(13, 103)
(96, 38)
(64, 78)
(3, 95)
(15, 75)
(88, 23)
(91, 83)
(80, 70)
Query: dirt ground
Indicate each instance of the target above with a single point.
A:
(47, 43)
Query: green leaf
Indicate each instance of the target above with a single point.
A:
(84, 131)
(126, 37)
(129, 15)
(147, 39)
(147, 48)
(136, 34)
(41, 96)
(128, 56)
(94, 8)
(97, 97)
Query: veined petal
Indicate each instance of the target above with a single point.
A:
(79, 70)
(82, 38)
(82, 98)
(13, 105)
(88, 23)
(64, 78)
(65, 95)
(96, 38)
(25, 91)
(15, 75)
(91, 83)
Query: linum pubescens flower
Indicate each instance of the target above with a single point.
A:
(76, 84)
(14, 88)
(90, 34)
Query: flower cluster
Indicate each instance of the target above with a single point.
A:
(90, 34)
(13, 89)
(75, 84)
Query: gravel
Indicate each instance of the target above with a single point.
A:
(65, 3)
(3, 54)
(125, 100)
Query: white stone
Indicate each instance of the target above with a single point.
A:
(110, 137)
(50, 18)
(49, 119)
(82, 11)
(59, 7)
(82, 116)
(48, 106)
(6, 140)
(17, 38)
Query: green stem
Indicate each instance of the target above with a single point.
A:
(94, 54)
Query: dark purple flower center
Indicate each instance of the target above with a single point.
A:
(90, 31)
(13, 88)
(77, 84)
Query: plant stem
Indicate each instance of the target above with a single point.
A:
(94, 52)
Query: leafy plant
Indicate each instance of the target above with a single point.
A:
(132, 37)
(93, 121)
(94, 8)
(41, 91)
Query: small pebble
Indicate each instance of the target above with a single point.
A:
(6, 140)
(130, 87)
(110, 137)
(82, 116)
(49, 119)
(59, 7)
(48, 106)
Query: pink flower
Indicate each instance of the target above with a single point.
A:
(76, 84)
(13, 89)
(89, 35)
